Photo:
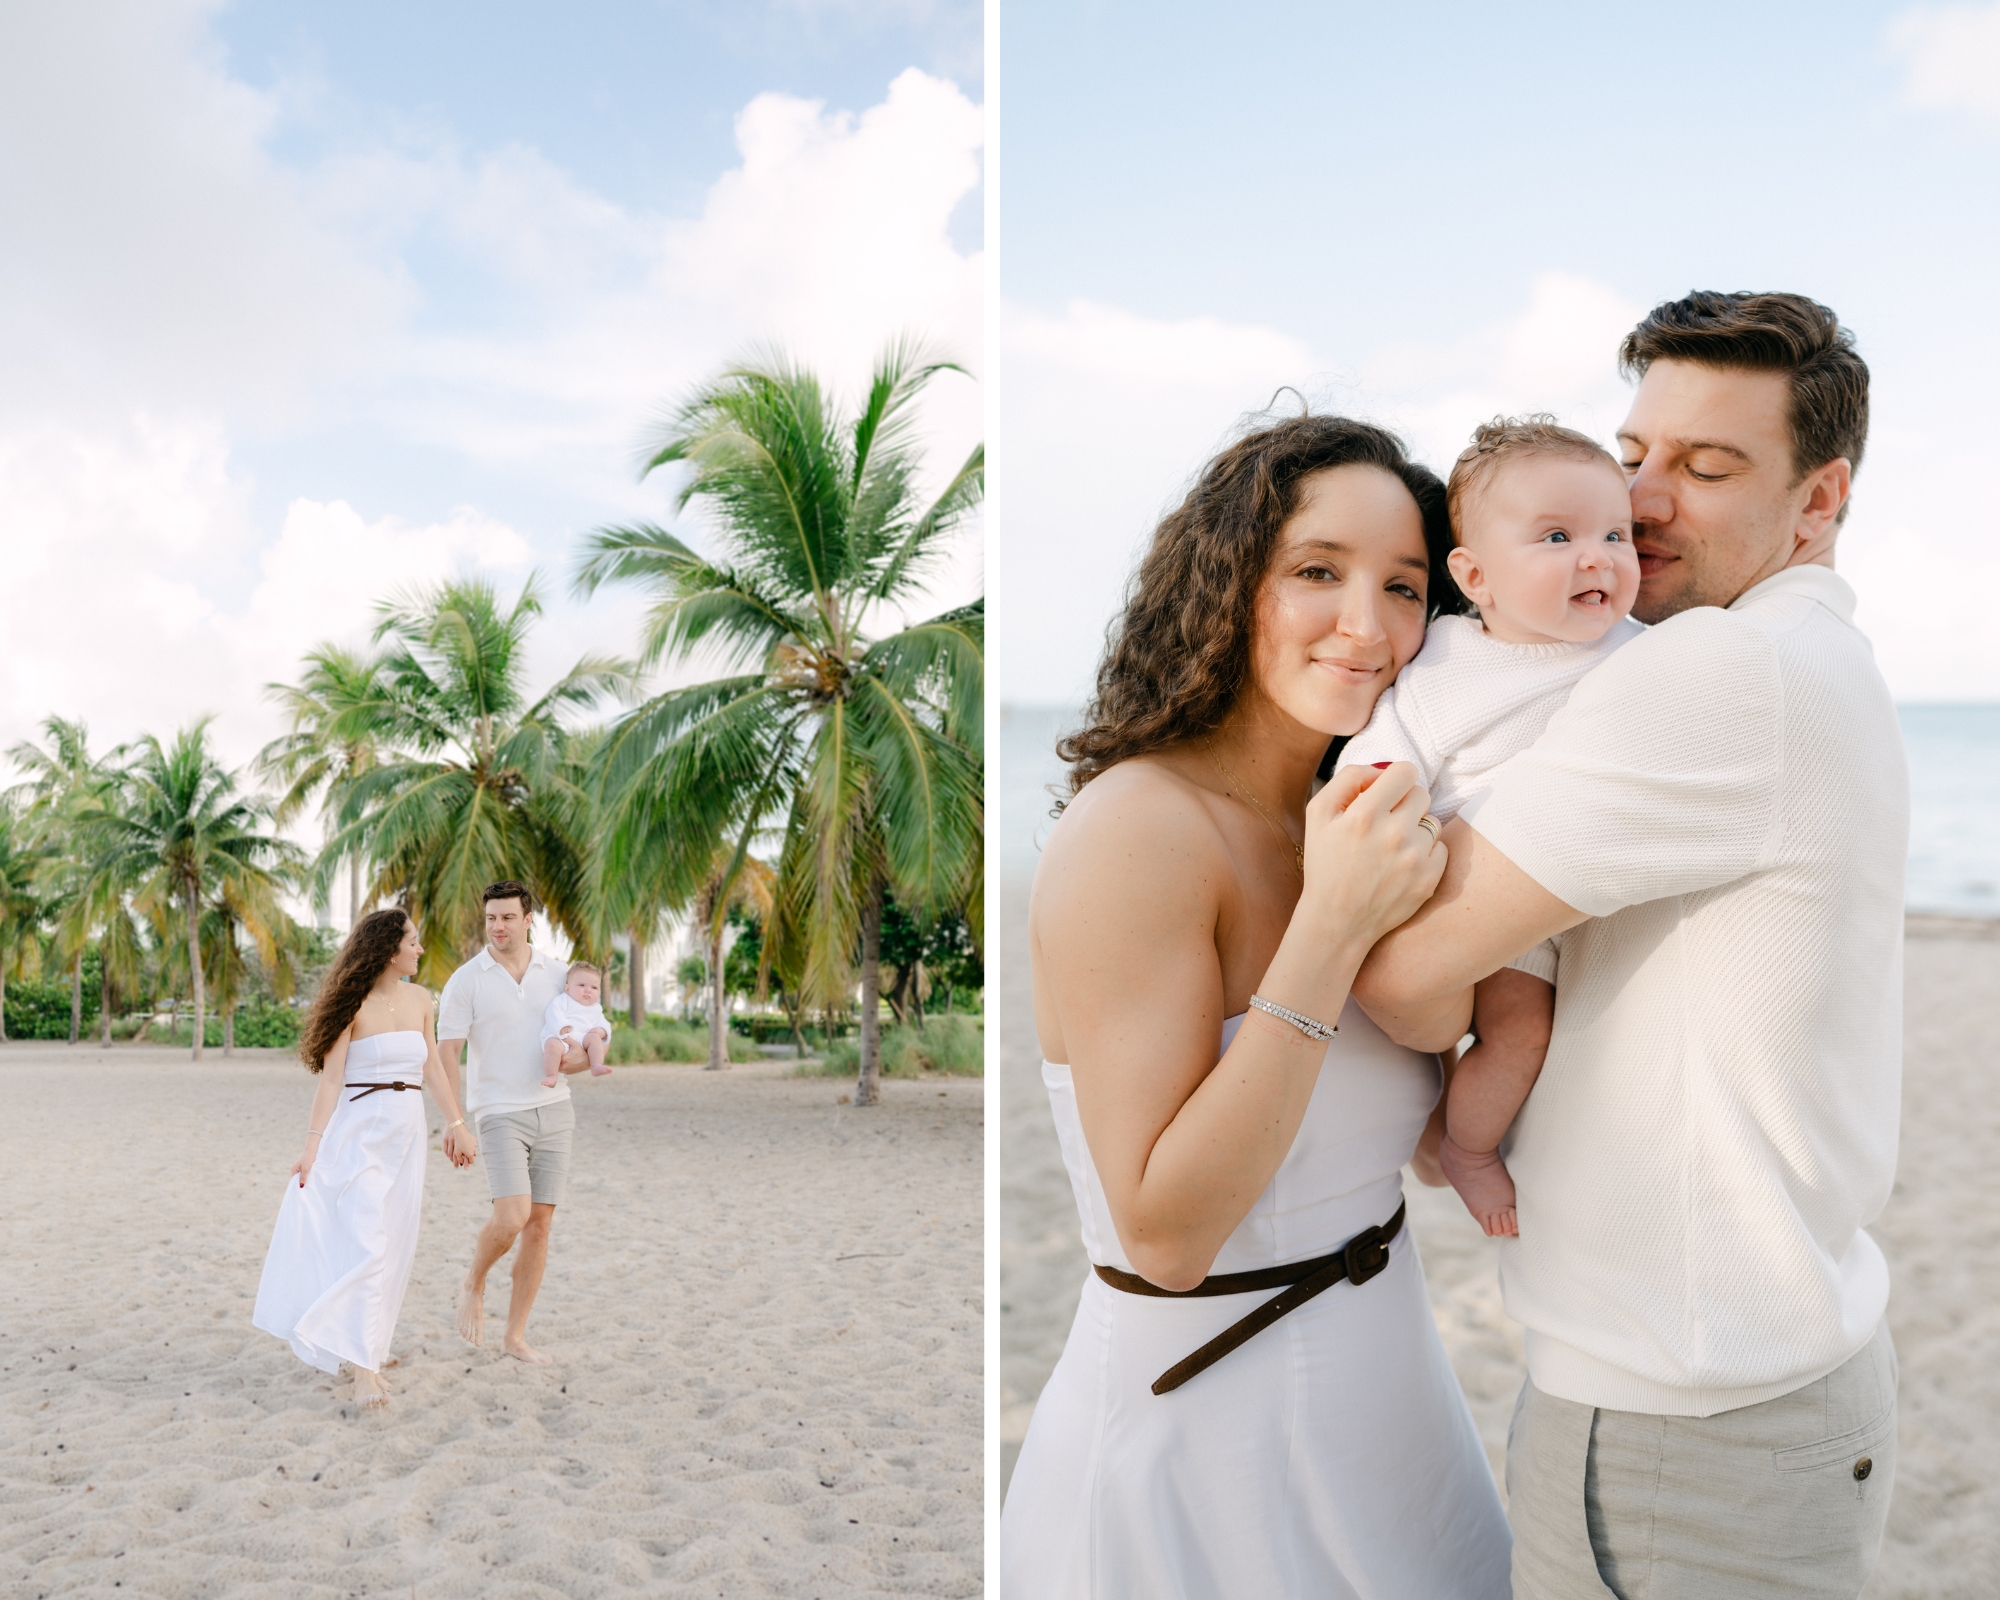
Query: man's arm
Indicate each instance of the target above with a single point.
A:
(1417, 982)
(448, 1050)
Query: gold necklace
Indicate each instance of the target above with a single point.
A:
(1230, 778)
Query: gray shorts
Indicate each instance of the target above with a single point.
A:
(1788, 1497)
(527, 1152)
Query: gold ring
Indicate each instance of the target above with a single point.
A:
(1429, 824)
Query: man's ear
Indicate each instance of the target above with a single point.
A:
(1826, 493)
(1463, 566)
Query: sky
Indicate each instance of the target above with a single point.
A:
(1426, 214)
(302, 306)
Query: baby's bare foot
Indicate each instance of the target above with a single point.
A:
(472, 1312)
(1480, 1177)
(521, 1350)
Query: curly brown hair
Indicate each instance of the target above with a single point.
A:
(1178, 656)
(369, 949)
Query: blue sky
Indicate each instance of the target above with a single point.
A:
(304, 304)
(1425, 212)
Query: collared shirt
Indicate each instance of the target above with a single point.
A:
(1715, 1123)
(501, 1022)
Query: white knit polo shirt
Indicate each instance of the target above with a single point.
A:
(1716, 1121)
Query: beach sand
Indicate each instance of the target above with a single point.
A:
(765, 1309)
(1941, 1233)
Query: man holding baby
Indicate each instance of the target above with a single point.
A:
(1716, 824)
(498, 1002)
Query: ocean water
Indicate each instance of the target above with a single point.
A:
(1954, 754)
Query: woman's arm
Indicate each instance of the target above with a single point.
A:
(1128, 909)
(325, 1099)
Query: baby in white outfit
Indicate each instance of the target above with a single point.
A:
(575, 1018)
(1543, 524)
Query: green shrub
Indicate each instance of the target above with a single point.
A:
(954, 1045)
(41, 1010)
(662, 1040)
(261, 1025)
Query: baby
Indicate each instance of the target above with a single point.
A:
(575, 1018)
(1543, 526)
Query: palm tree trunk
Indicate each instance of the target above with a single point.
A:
(229, 1032)
(866, 1091)
(635, 980)
(3, 1003)
(353, 890)
(718, 1038)
(76, 997)
(194, 966)
(104, 1007)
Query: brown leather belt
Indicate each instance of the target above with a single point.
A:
(376, 1088)
(1366, 1254)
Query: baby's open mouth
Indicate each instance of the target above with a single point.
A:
(1591, 597)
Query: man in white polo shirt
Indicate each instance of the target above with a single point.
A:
(1711, 1398)
(495, 1002)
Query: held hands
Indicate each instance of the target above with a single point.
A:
(461, 1145)
(1368, 864)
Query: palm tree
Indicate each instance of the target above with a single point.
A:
(65, 786)
(748, 884)
(23, 862)
(460, 754)
(865, 752)
(246, 906)
(337, 712)
(181, 832)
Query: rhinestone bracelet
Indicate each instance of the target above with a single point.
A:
(1305, 1025)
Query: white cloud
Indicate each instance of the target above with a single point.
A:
(112, 621)
(154, 246)
(1558, 355)
(174, 297)
(1951, 55)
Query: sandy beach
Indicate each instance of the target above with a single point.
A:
(765, 1309)
(1941, 1233)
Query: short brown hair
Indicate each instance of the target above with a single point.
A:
(509, 889)
(1179, 654)
(1769, 333)
(1507, 439)
(582, 966)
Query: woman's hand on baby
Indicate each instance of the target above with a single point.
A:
(1368, 863)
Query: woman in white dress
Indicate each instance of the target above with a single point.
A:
(1196, 900)
(347, 1227)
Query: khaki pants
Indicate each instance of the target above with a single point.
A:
(1784, 1498)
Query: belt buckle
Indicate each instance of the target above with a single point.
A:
(1367, 1254)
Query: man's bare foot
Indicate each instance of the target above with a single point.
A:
(370, 1392)
(472, 1312)
(1480, 1177)
(521, 1350)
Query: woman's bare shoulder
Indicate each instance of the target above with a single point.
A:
(1142, 822)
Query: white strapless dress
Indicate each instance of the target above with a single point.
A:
(341, 1253)
(1332, 1456)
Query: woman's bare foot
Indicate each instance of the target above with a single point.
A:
(1480, 1177)
(521, 1350)
(370, 1392)
(472, 1312)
